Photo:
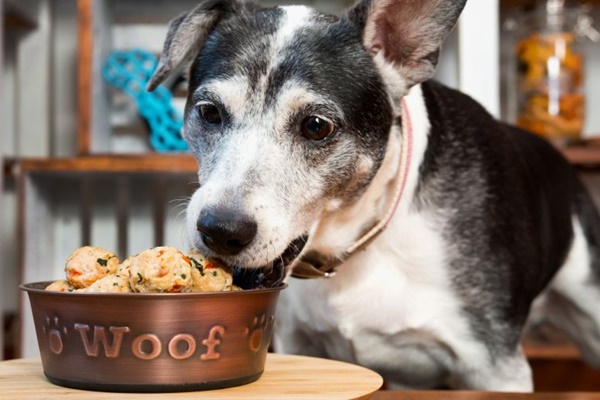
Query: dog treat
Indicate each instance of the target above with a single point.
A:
(114, 283)
(88, 264)
(209, 275)
(124, 267)
(161, 269)
(157, 270)
(552, 102)
(60, 286)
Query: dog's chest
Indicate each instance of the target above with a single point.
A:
(383, 299)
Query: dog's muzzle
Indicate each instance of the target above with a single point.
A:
(274, 273)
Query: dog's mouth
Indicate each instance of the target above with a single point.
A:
(272, 274)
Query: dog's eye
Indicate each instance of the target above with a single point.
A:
(316, 128)
(210, 113)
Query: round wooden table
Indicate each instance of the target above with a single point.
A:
(285, 377)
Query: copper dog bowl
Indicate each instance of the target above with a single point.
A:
(152, 342)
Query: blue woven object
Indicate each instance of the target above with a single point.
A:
(130, 71)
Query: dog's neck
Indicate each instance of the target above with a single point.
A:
(340, 229)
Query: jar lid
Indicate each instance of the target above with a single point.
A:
(558, 16)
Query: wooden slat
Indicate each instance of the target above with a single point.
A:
(449, 395)
(564, 376)
(155, 163)
(123, 205)
(63, 196)
(63, 93)
(19, 16)
(3, 174)
(33, 86)
(543, 341)
(583, 156)
(142, 221)
(580, 156)
(84, 69)
(551, 352)
(86, 198)
(16, 21)
(36, 249)
(105, 213)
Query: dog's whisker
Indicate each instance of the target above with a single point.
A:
(183, 236)
(180, 202)
(182, 198)
(183, 211)
(268, 263)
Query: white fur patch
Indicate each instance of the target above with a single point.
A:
(295, 18)
(575, 282)
(571, 300)
(575, 272)
(233, 93)
(392, 77)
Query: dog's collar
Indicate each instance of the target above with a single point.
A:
(311, 267)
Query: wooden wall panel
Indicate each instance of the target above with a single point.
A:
(36, 242)
(33, 84)
(104, 228)
(84, 75)
(63, 83)
(140, 228)
(2, 301)
(174, 206)
(65, 197)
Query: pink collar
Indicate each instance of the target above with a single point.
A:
(306, 269)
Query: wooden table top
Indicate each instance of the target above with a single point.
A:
(285, 377)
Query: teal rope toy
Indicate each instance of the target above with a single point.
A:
(130, 71)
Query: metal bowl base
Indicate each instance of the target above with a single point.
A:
(191, 387)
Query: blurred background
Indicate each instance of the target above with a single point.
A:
(89, 158)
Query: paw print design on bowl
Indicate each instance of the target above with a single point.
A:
(55, 333)
(257, 331)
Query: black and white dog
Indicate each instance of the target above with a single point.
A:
(311, 129)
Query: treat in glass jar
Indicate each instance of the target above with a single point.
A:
(551, 100)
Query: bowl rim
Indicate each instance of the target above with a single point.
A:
(29, 288)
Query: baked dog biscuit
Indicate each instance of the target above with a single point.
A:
(161, 270)
(60, 286)
(113, 283)
(88, 264)
(209, 275)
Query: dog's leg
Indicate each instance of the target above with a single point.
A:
(288, 335)
(572, 302)
(509, 373)
(289, 339)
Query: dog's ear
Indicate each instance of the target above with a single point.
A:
(406, 34)
(188, 32)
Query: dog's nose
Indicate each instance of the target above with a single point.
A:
(227, 232)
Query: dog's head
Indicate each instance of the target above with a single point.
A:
(290, 111)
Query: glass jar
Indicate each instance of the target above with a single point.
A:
(550, 77)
